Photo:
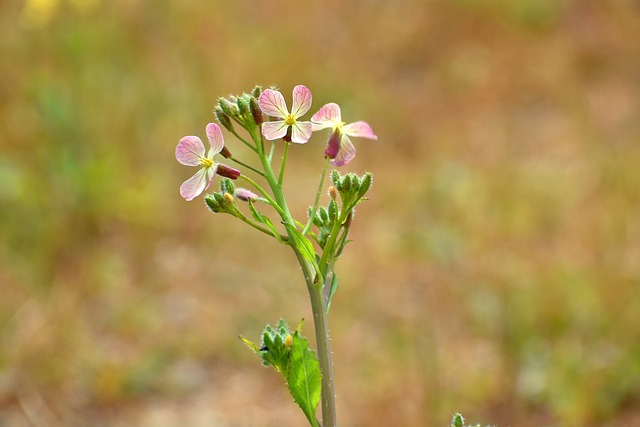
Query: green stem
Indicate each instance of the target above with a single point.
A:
(260, 228)
(284, 163)
(233, 159)
(264, 194)
(320, 321)
(328, 248)
(315, 203)
(244, 141)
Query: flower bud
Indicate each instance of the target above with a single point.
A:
(211, 203)
(228, 171)
(335, 178)
(256, 92)
(332, 192)
(226, 153)
(258, 117)
(228, 197)
(243, 106)
(226, 186)
(288, 341)
(245, 195)
(228, 108)
(223, 119)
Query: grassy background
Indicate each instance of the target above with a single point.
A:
(495, 271)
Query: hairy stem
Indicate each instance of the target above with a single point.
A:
(320, 321)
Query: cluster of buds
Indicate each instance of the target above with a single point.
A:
(243, 109)
(350, 189)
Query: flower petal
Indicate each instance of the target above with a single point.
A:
(328, 115)
(191, 188)
(301, 132)
(274, 130)
(272, 103)
(189, 151)
(301, 101)
(214, 134)
(361, 129)
(346, 153)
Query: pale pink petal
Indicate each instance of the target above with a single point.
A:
(361, 129)
(194, 186)
(346, 153)
(328, 115)
(189, 151)
(301, 101)
(272, 103)
(274, 130)
(214, 134)
(301, 132)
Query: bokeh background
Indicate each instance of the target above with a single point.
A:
(495, 270)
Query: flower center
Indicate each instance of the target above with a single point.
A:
(207, 163)
(290, 120)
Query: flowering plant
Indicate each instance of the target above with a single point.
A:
(317, 242)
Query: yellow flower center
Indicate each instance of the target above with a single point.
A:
(207, 163)
(290, 120)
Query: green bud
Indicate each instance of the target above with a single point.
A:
(333, 210)
(243, 106)
(226, 186)
(228, 108)
(346, 184)
(324, 215)
(211, 203)
(223, 119)
(458, 420)
(365, 184)
(256, 112)
(256, 92)
(335, 178)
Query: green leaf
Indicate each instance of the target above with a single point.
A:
(304, 246)
(332, 290)
(262, 218)
(304, 378)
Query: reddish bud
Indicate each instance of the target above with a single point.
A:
(228, 171)
(225, 152)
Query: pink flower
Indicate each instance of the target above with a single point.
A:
(272, 103)
(340, 149)
(191, 152)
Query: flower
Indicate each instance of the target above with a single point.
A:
(191, 152)
(272, 103)
(339, 148)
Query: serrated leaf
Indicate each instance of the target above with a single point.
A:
(304, 378)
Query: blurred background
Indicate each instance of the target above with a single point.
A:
(495, 270)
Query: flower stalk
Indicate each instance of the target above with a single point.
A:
(309, 376)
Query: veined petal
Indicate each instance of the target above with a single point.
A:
(301, 132)
(214, 134)
(361, 129)
(346, 153)
(301, 101)
(272, 103)
(190, 150)
(328, 115)
(211, 173)
(194, 186)
(274, 130)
